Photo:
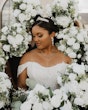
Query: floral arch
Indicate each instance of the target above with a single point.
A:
(74, 43)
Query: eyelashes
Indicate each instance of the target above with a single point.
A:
(40, 35)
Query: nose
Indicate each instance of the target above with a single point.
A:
(35, 38)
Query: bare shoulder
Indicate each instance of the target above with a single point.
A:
(28, 56)
(65, 58)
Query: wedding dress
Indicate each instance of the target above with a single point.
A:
(47, 76)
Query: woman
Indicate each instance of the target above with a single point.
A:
(43, 64)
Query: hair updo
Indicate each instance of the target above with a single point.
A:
(45, 23)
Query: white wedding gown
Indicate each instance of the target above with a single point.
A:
(47, 76)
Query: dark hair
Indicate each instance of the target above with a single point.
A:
(49, 26)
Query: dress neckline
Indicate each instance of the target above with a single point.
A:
(46, 66)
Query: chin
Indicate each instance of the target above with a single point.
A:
(39, 47)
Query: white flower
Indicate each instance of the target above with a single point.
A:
(67, 106)
(3, 37)
(17, 1)
(5, 86)
(6, 48)
(71, 41)
(37, 106)
(79, 101)
(2, 104)
(80, 37)
(63, 21)
(64, 4)
(56, 100)
(2, 60)
(79, 56)
(76, 46)
(73, 31)
(16, 12)
(39, 88)
(22, 17)
(23, 6)
(20, 37)
(62, 47)
(5, 30)
(79, 69)
(72, 55)
(25, 106)
(72, 76)
(69, 50)
(47, 106)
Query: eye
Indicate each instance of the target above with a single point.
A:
(40, 35)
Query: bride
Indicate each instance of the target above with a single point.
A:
(42, 64)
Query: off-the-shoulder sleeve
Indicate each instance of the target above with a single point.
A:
(22, 68)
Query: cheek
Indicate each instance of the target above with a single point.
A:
(46, 41)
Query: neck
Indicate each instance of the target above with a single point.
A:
(49, 50)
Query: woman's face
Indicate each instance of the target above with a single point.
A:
(41, 37)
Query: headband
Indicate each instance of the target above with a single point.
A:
(42, 19)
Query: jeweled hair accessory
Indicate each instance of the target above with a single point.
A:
(42, 19)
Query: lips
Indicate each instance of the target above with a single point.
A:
(38, 44)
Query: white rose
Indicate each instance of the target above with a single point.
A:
(71, 41)
(22, 17)
(2, 104)
(63, 21)
(64, 4)
(3, 37)
(5, 30)
(47, 106)
(39, 88)
(34, 12)
(79, 101)
(66, 106)
(25, 106)
(37, 106)
(10, 39)
(79, 69)
(72, 76)
(79, 56)
(16, 12)
(6, 48)
(18, 39)
(23, 6)
(8, 83)
(83, 85)
(73, 30)
(2, 61)
(72, 55)
(80, 38)
(69, 50)
(76, 46)
(62, 47)
(17, 25)
(56, 101)
(19, 30)
(2, 74)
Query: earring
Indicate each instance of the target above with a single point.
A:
(52, 40)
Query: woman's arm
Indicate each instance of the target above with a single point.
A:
(21, 81)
